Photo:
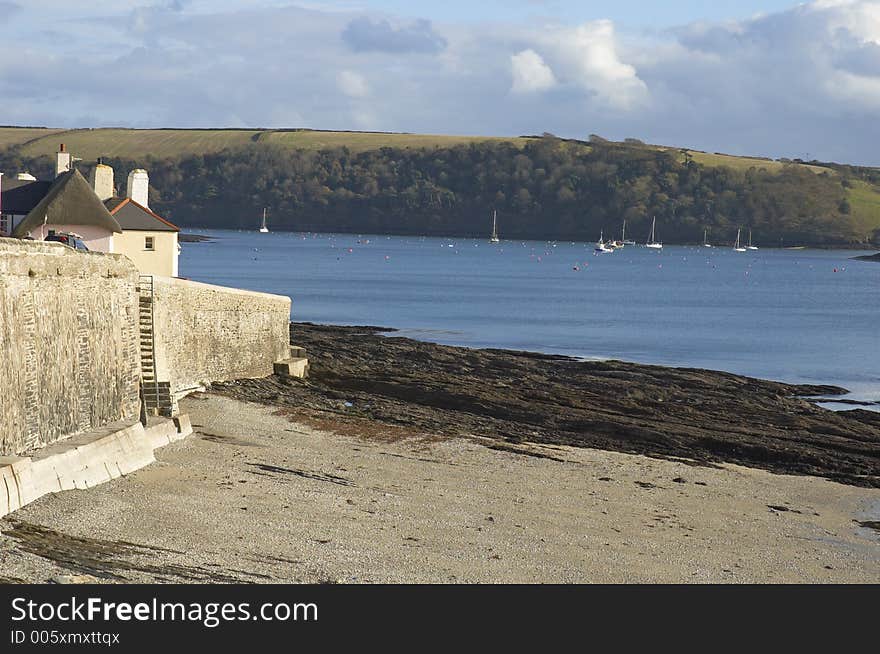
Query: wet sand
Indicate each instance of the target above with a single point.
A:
(257, 495)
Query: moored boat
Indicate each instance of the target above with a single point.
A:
(655, 245)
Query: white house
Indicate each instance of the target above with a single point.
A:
(106, 223)
(147, 239)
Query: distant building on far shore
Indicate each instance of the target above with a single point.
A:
(30, 208)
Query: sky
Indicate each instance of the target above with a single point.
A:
(760, 77)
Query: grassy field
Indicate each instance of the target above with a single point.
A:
(865, 202)
(18, 135)
(363, 141)
(744, 163)
(134, 143)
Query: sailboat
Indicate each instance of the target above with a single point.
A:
(623, 236)
(494, 238)
(706, 243)
(621, 243)
(651, 242)
(737, 247)
(601, 248)
(750, 246)
(263, 228)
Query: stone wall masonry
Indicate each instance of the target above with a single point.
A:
(69, 359)
(206, 333)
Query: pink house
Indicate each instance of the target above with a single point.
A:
(71, 206)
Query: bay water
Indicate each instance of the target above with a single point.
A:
(801, 316)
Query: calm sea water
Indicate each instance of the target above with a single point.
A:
(808, 316)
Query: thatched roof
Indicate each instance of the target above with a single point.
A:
(70, 201)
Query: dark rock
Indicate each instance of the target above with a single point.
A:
(510, 397)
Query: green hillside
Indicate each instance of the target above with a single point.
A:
(864, 199)
(364, 141)
(744, 163)
(161, 143)
(627, 176)
(12, 136)
(135, 143)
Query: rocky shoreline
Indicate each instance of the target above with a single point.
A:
(184, 237)
(869, 257)
(375, 384)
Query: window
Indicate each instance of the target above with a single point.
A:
(5, 224)
(148, 243)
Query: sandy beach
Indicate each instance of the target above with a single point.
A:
(254, 496)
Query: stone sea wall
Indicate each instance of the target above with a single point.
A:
(207, 333)
(69, 358)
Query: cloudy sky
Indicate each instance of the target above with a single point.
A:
(764, 77)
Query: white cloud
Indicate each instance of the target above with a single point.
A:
(589, 53)
(352, 84)
(805, 80)
(530, 73)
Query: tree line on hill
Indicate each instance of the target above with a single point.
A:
(548, 189)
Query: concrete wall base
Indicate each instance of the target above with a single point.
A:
(293, 367)
(85, 460)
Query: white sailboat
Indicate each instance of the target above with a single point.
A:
(651, 242)
(601, 248)
(706, 243)
(750, 246)
(622, 242)
(737, 247)
(494, 238)
(623, 236)
(263, 228)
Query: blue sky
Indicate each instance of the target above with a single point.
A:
(760, 77)
(635, 14)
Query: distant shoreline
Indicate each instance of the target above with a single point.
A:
(190, 237)
(183, 237)
(869, 257)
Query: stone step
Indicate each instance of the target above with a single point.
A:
(292, 367)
